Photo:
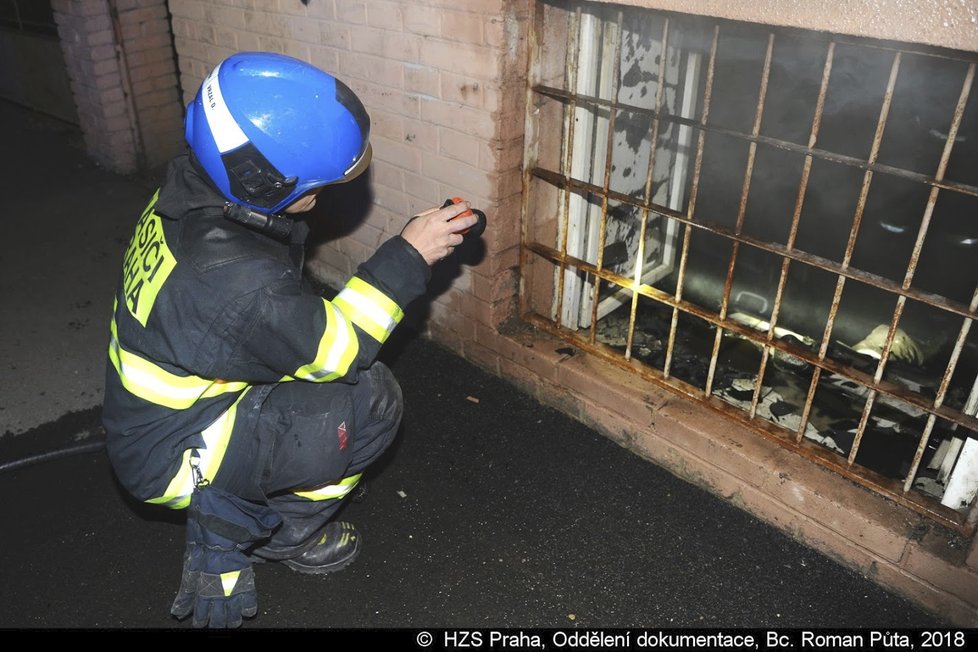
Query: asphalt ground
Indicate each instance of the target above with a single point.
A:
(489, 511)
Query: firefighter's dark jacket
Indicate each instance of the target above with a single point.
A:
(207, 310)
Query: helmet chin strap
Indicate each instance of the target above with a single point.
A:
(275, 225)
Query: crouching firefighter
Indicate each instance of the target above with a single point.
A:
(234, 389)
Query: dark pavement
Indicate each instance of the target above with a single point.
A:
(489, 511)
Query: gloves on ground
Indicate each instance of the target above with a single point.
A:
(218, 583)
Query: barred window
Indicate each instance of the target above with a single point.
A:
(779, 223)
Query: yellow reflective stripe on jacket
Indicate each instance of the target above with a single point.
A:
(369, 308)
(152, 383)
(216, 438)
(338, 349)
(338, 490)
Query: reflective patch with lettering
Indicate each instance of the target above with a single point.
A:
(147, 265)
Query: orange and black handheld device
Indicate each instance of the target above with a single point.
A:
(475, 230)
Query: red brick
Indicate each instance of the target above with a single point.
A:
(464, 27)
(475, 61)
(375, 69)
(459, 117)
(478, 6)
(943, 605)
(320, 9)
(481, 287)
(458, 145)
(214, 14)
(89, 10)
(397, 153)
(868, 520)
(503, 310)
(149, 42)
(303, 28)
(247, 41)
(521, 377)
(466, 179)
(393, 201)
(102, 37)
(608, 386)
(420, 19)
(386, 15)
(351, 12)
(707, 435)
(482, 357)
(502, 259)
(324, 58)
(396, 47)
(475, 309)
(375, 95)
(424, 80)
(422, 189)
(560, 399)
(421, 135)
(535, 352)
(505, 284)
(957, 580)
(445, 337)
(609, 423)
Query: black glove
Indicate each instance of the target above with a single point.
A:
(218, 583)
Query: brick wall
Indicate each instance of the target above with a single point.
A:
(444, 82)
(119, 58)
(443, 122)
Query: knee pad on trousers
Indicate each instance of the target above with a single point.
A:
(387, 402)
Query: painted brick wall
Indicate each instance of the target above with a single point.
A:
(444, 123)
(119, 58)
(444, 82)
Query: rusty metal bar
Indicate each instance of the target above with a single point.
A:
(802, 188)
(939, 398)
(885, 387)
(911, 269)
(741, 212)
(875, 384)
(570, 120)
(694, 189)
(793, 235)
(609, 155)
(821, 154)
(851, 244)
(772, 432)
(647, 195)
(952, 135)
(928, 298)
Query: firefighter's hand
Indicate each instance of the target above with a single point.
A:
(218, 584)
(435, 234)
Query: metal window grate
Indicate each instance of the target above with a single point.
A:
(697, 209)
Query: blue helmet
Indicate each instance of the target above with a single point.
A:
(267, 128)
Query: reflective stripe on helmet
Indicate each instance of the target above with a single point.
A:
(330, 491)
(207, 458)
(267, 128)
(152, 383)
(338, 348)
(369, 308)
(227, 134)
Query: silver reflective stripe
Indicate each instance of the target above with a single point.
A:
(227, 133)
